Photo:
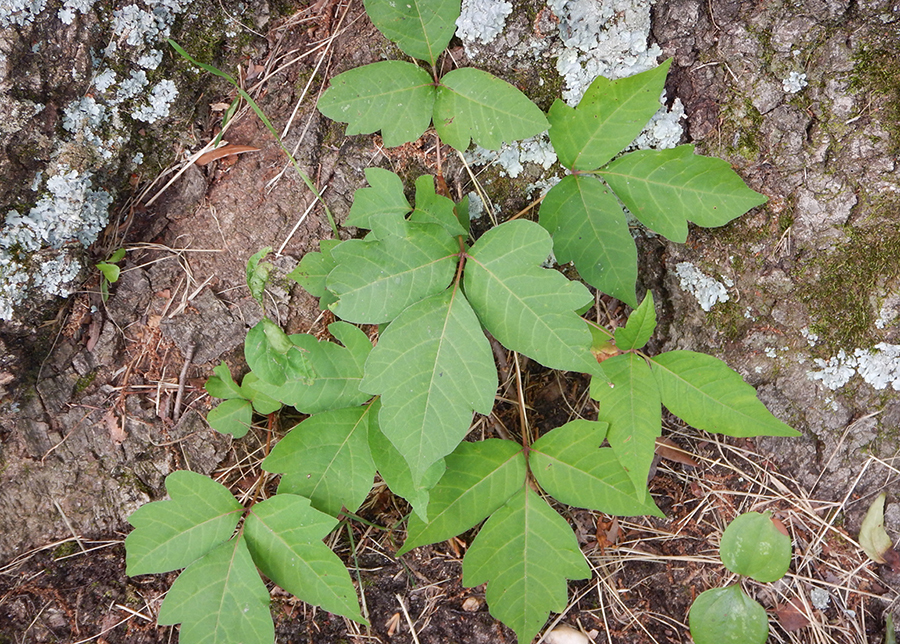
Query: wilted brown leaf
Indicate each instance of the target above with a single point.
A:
(224, 151)
(791, 615)
(669, 450)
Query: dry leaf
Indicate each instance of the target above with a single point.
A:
(116, 432)
(471, 604)
(780, 527)
(566, 635)
(224, 151)
(791, 615)
(872, 536)
(219, 107)
(669, 450)
(392, 624)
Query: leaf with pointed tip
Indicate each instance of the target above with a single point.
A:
(172, 534)
(665, 189)
(222, 385)
(220, 599)
(312, 271)
(339, 370)
(273, 357)
(473, 104)
(630, 403)
(258, 274)
(525, 552)
(571, 466)
(393, 96)
(433, 367)
(421, 28)
(609, 117)
(254, 390)
(395, 471)
(727, 616)
(529, 309)
(589, 228)
(480, 478)
(326, 458)
(434, 208)
(382, 207)
(705, 393)
(375, 280)
(284, 535)
(640, 326)
(231, 417)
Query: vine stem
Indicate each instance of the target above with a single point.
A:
(523, 417)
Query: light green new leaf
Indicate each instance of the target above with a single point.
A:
(665, 189)
(375, 280)
(254, 390)
(395, 471)
(571, 466)
(529, 309)
(705, 393)
(220, 599)
(172, 534)
(110, 271)
(480, 478)
(258, 274)
(609, 117)
(436, 209)
(382, 207)
(231, 417)
(222, 385)
(629, 402)
(339, 370)
(393, 96)
(589, 228)
(525, 552)
(313, 269)
(873, 538)
(727, 616)
(273, 357)
(752, 546)
(473, 104)
(432, 366)
(421, 28)
(284, 535)
(640, 326)
(326, 458)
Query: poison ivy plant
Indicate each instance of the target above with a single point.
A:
(752, 546)
(403, 408)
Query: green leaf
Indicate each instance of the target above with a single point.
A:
(254, 390)
(525, 552)
(382, 207)
(313, 269)
(571, 466)
(339, 370)
(529, 309)
(704, 392)
(472, 104)
(222, 385)
(421, 28)
(640, 326)
(272, 356)
(666, 188)
(220, 599)
(629, 402)
(326, 458)
(872, 536)
(231, 417)
(393, 96)
(110, 271)
(258, 274)
(589, 228)
(752, 546)
(117, 256)
(433, 367)
(609, 117)
(284, 535)
(436, 209)
(169, 535)
(395, 471)
(480, 478)
(376, 280)
(728, 616)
